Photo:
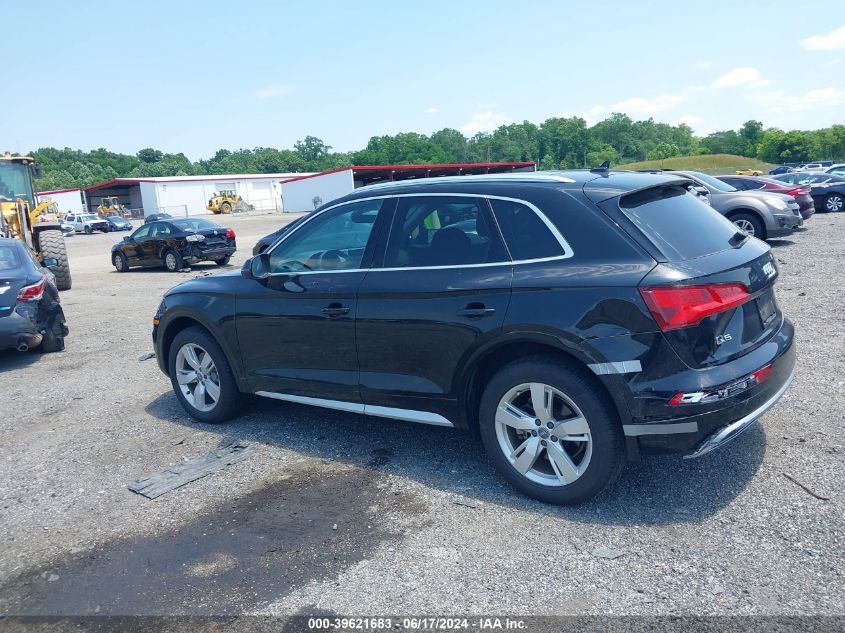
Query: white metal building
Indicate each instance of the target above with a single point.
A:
(189, 195)
(306, 192)
(68, 200)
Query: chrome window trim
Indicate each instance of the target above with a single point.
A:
(567, 249)
(408, 415)
(518, 176)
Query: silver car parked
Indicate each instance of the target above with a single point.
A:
(762, 214)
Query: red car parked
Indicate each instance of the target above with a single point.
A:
(761, 183)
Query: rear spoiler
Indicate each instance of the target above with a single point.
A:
(600, 194)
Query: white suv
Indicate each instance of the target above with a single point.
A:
(87, 223)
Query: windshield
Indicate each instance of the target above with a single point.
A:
(15, 182)
(89, 217)
(196, 225)
(713, 182)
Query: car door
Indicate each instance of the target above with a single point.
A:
(441, 291)
(296, 327)
(133, 247)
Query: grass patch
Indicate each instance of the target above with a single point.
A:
(714, 164)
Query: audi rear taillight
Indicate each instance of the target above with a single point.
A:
(33, 292)
(230, 234)
(675, 307)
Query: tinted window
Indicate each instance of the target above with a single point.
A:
(162, 229)
(9, 257)
(526, 235)
(715, 183)
(142, 232)
(678, 223)
(442, 231)
(195, 225)
(334, 240)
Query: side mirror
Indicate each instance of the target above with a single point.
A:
(257, 267)
(49, 262)
(701, 191)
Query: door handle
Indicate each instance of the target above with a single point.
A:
(335, 309)
(476, 311)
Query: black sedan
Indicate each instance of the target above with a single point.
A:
(157, 217)
(116, 223)
(828, 190)
(174, 244)
(30, 313)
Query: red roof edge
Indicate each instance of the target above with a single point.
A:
(49, 193)
(355, 168)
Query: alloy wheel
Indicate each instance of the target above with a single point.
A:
(745, 226)
(543, 434)
(834, 204)
(197, 376)
(170, 261)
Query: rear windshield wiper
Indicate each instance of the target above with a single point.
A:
(738, 239)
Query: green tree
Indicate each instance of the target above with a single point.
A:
(663, 151)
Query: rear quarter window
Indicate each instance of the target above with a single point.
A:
(677, 222)
(526, 234)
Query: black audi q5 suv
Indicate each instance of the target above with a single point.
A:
(569, 319)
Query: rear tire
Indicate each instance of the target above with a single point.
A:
(834, 203)
(52, 245)
(750, 224)
(564, 472)
(225, 208)
(173, 261)
(223, 260)
(229, 401)
(120, 263)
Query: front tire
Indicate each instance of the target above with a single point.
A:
(577, 448)
(834, 203)
(52, 245)
(88, 230)
(173, 261)
(202, 378)
(120, 263)
(223, 261)
(225, 208)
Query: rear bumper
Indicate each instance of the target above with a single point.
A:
(15, 328)
(696, 429)
(732, 430)
(195, 254)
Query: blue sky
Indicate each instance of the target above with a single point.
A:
(197, 76)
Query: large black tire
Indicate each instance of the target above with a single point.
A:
(88, 230)
(833, 203)
(605, 431)
(225, 208)
(120, 263)
(52, 245)
(223, 260)
(172, 261)
(745, 219)
(230, 402)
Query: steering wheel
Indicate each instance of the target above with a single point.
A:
(332, 260)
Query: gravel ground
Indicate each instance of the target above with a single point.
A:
(337, 513)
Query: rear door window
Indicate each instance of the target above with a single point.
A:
(526, 234)
(678, 223)
(442, 231)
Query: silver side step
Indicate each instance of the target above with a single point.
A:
(409, 415)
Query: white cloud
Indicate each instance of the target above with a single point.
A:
(703, 65)
(783, 101)
(596, 110)
(745, 76)
(636, 106)
(273, 92)
(688, 119)
(484, 122)
(833, 41)
(431, 110)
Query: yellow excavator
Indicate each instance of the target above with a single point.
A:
(23, 218)
(110, 205)
(224, 201)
